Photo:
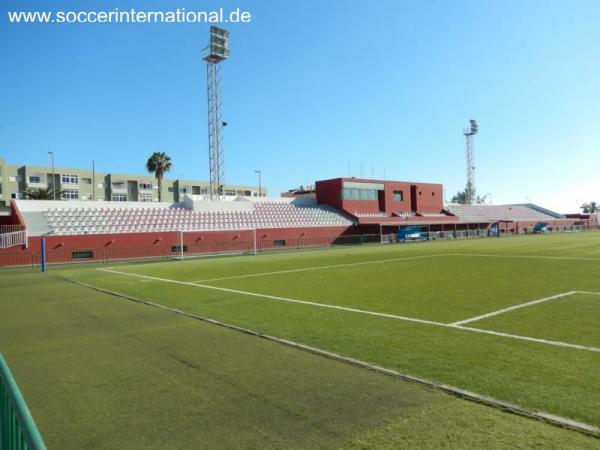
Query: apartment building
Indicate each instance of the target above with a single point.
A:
(84, 184)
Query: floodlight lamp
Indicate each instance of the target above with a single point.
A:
(474, 126)
(218, 47)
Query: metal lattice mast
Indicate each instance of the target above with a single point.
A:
(470, 159)
(215, 124)
(218, 51)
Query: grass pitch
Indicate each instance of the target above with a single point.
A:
(103, 372)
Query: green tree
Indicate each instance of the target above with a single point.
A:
(159, 163)
(467, 197)
(590, 208)
(42, 194)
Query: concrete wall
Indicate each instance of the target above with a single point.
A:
(9, 182)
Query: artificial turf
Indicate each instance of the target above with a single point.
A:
(101, 372)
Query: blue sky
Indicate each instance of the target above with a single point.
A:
(315, 87)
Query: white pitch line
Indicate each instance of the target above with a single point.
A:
(273, 297)
(530, 339)
(361, 311)
(588, 292)
(305, 269)
(512, 308)
(487, 255)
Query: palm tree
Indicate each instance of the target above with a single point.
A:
(590, 208)
(42, 194)
(159, 163)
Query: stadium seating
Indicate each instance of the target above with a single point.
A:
(370, 215)
(266, 214)
(433, 214)
(492, 213)
(405, 213)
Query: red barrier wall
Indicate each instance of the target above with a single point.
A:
(140, 245)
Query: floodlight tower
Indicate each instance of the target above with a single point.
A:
(470, 154)
(216, 52)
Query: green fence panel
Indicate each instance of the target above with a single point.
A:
(17, 428)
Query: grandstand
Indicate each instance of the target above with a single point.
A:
(495, 213)
(341, 211)
(246, 214)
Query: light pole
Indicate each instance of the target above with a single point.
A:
(53, 176)
(93, 180)
(259, 182)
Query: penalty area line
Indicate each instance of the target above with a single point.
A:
(361, 311)
(306, 269)
(512, 308)
(489, 255)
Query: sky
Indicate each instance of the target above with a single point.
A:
(319, 89)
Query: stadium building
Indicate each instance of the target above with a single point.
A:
(342, 211)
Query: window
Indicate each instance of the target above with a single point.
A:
(144, 186)
(0, 188)
(183, 190)
(35, 179)
(86, 181)
(70, 195)
(177, 248)
(145, 198)
(69, 179)
(170, 189)
(82, 254)
(204, 191)
(229, 192)
(279, 243)
(398, 196)
(359, 194)
(118, 185)
(118, 197)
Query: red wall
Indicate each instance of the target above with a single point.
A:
(422, 197)
(396, 206)
(15, 215)
(429, 197)
(139, 245)
(329, 192)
